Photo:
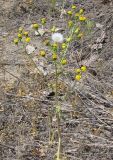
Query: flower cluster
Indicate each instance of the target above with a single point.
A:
(77, 20)
(78, 14)
(76, 26)
(58, 39)
(22, 36)
(79, 72)
(36, 25)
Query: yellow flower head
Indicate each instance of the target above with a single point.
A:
(53, 29)
(77, 30)
(73, 7)
(77, 70)
(42, 53)
(77, 15)
(70, 23)
(83, 68)
(43, 21)
(16, 41)
(46, 42)
(20, 36)
(64, 45)
(81, 11)
(63, 61)
(54, 56)
(20, 30)
(69, 13)
(80, 35)
(82, 18)
(78, 77)
(35, 25)
(69, 39)
(54, 46)
(28, 39)
(26, 34)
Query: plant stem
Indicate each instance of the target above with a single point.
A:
(59, 137)
(53, 4)
(57, 113)
(56, 84)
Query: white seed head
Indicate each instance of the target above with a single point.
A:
(57, 37)
(30, 49)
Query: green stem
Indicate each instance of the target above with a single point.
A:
(57, 113)
(56, 84)
(59, 137)
(53, 4)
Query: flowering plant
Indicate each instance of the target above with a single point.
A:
(58, 46)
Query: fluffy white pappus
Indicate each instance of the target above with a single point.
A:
(30, 49)
(57, 37)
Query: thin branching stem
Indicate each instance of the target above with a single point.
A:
(57, 113)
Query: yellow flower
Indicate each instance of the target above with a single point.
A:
(73, 7)
(20, 30)
(80, 35)
(35, 26)
(82, 18)
(70, 23)
(42, 53)
(54, 56)
(81, 11)
(69, 13)
(83, 68)
(46, 42)
(78, 70)
(77, 30)
(54, 46)
(53, 29)
(28, 39)
(16, 41)
(77, 15)
(63, 61)
(69, 39)
(43, 21)
(78, 77)
(64, 45)
(20, 36)
(26, 34)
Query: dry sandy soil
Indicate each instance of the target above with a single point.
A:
(87, 112)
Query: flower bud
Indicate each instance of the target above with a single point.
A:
(25, 34)
(43, 21)
(83, 68)
(54, 56)
(73, 7)
(16, 41)
(63, 61)
(20, 36)
(28, 39)
(42, 53)
(69, 13)
(78, 77)
(35, 26)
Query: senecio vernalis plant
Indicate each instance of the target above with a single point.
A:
(77, 25)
